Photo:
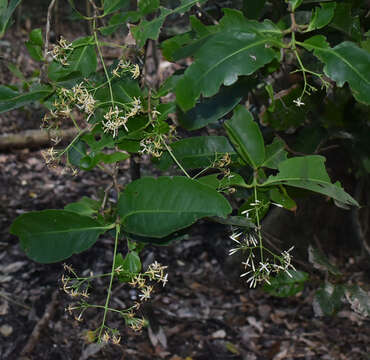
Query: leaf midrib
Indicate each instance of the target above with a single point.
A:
(333, 52)
(229, 56)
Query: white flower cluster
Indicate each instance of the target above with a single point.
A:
(115, 118)
(61, 51)
(259, 271)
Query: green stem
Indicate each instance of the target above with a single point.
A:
(175, 160)
(303, 71)
(75, 123)
(103, 63)
(106, 306)
(72, 142)
(257, 215)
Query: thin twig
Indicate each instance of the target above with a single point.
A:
(8, 298)
(47, 32)
(41, 324)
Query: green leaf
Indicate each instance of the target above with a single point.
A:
(210, 110)
(118, 20)
(308, 172)
(17, 100)
(345, 62)
(85, 206)
(6, 11)
(35, 44)
(54, 235)
(76, 152)
(82, 60)
(275, 153)
(283, 285)
(88, 162)
(328, 299)
(246, 136)
(321, 262)
(221, 59)
(16, 72)
(359, 299)
(240, 221)
(158, 207)
(148, 6)
(197, 152)
(281, 197)
(294, 4)
(150, 29)
(344, 21)
(220, 182)
(114, 5)
(322, 16)
(128, 266)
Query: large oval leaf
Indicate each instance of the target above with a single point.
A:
(53, 235)
(308, 172)
(212, 109)
(198, 151)
(222, 58)
(10, 99)
(246, 136)
(345, 62)
(158, 207)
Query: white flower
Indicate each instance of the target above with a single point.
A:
(298, 102)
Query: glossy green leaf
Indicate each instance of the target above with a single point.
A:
(6, 11)
(281, 197)
(345, 62)
(294, 4)
(197, 152)
(114, 5)
(346, 22)
(308, 172)
(85, 206)
(322, 16)
(148, 6)
(150, 29)
(221, 59)
(328, 299)
(128, 266)
(76, 152)
(82, 60)
(10, 100)
(118, 20)
(246, 136)
(359, 299)
(54, 235)
(88, 162)
(210, 110)
(275, 153)
(35, 44)
(16, 72)
(239, 221)
(158, 207)
(221, 182)
(321, 262)
(283, 285)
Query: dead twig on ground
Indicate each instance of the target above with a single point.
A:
(42, 323)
